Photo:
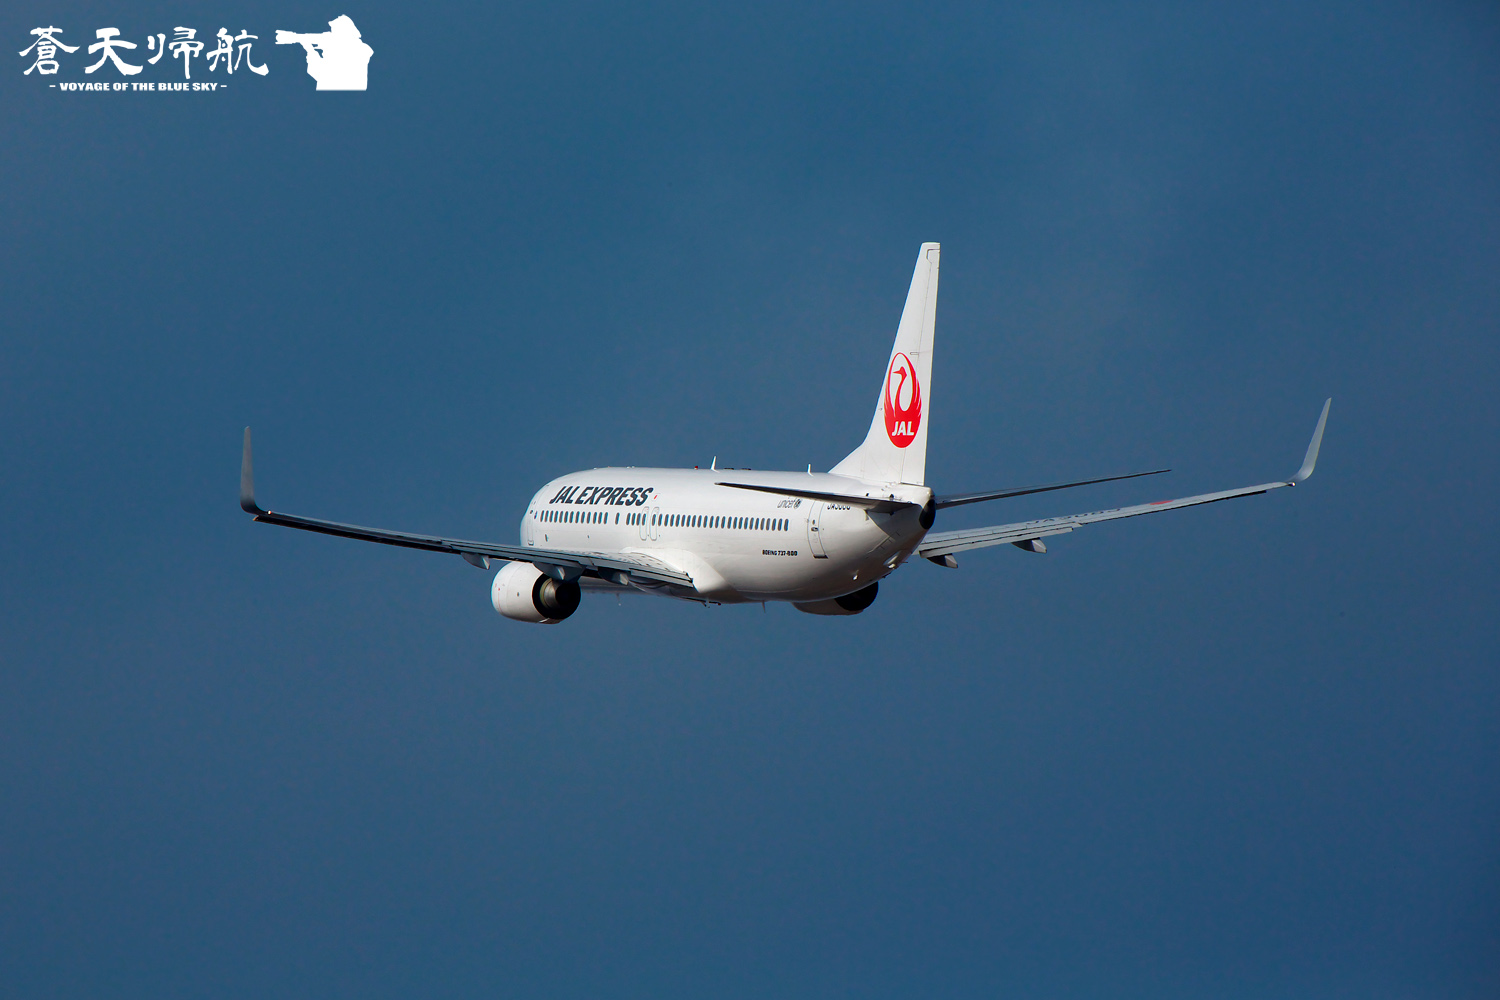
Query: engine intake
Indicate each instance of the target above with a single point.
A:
(526, 594)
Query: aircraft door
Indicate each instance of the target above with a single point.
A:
(654, 531)
(815, 525)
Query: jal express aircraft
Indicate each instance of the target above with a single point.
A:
(821, 541)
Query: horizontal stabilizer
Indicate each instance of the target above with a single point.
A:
(958, 499)
(880, 505)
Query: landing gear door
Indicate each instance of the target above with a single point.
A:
(815, 530)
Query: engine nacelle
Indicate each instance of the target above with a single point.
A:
(849, 604)
(526, 594)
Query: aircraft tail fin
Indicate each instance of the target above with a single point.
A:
(895, 450)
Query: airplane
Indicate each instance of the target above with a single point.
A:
(819, 541)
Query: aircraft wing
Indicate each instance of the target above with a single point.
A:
(941, 546)
(618, 568)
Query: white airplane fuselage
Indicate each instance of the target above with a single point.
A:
(737, 545)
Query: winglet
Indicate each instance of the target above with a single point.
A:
(247, 480)
(1311, 458)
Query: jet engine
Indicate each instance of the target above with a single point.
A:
(849, 604)
(525, 593)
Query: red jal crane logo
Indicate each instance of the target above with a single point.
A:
(902, 421)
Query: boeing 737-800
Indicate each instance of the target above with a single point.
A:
(821, 541)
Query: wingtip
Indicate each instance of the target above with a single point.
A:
(247, 480)
(1310, 460)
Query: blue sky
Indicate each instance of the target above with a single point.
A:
(1248, 750)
